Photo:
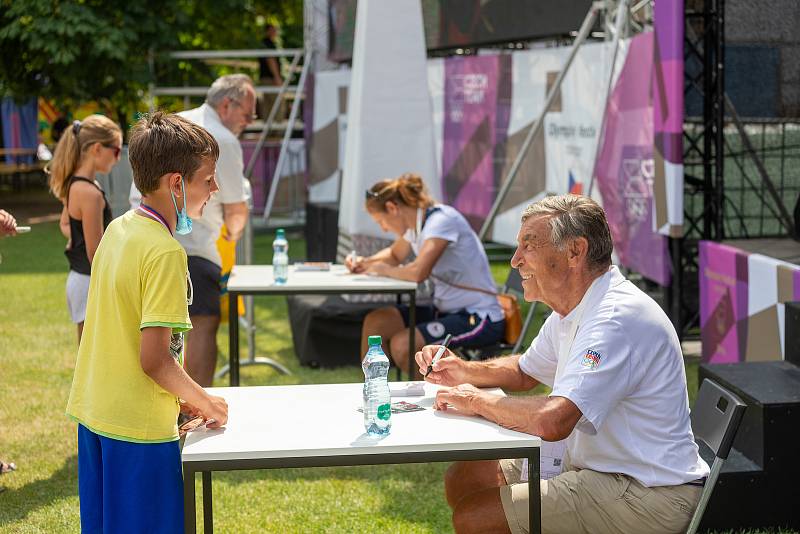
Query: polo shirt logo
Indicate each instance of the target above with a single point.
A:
(591, 359)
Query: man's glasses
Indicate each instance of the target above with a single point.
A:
(115, 148)
(253, 116)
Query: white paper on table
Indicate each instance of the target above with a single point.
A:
(407, 389)
(551, 456)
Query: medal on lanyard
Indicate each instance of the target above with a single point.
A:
(153, 214)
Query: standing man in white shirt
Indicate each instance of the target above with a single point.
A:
(619, 397)
(229, 107)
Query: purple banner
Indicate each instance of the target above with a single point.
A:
(625, 170)
(723, 302)
(476, 112)
(797, 285)
(668, 77)
(263, 171)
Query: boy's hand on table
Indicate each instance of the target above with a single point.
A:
(217, 409)
(189, 410)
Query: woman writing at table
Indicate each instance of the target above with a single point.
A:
(448, 252)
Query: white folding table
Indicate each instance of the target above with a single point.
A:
(319, 426)
(257, 280)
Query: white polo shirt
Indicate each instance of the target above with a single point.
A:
(463, 262)
(202, 241)
(625, 373)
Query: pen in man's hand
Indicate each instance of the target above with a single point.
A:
(439, 353)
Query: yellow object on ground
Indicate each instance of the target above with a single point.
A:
(227, 251)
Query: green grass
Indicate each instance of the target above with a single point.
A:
(37, 355)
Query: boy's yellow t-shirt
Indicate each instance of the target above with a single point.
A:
(140, 278)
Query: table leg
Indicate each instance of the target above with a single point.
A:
(412, 334)
(233, 341)
(189, 524)
(534, 493)
(208, 506)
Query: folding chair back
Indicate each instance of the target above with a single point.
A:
(716, 417)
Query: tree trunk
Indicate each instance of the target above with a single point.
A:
(122, 119)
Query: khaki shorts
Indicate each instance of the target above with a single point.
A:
(587, 501)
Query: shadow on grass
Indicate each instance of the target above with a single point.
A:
(17, 504)
(40, 251)
(406, 488)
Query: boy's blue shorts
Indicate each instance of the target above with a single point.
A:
(129, 487)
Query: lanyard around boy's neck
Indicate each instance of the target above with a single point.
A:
(153, 214)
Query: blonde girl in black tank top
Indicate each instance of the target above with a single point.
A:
(85, 149)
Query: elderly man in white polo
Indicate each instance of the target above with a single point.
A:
(614, 363)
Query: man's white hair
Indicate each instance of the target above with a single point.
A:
(574, 216)
(232, 86)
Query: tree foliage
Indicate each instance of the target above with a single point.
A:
(74, 51)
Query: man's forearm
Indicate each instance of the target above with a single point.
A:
(546, 417)
(509, 412)
(502, 372)
(235, 220)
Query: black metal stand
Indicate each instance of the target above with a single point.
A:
(704, 57)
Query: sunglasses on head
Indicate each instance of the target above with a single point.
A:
(115, 148)
(370, 194)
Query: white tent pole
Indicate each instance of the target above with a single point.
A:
(286, 136)
(586, 27)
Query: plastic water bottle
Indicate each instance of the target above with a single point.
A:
(280, 258)
(377, 400)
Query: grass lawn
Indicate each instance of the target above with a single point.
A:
(37, 354)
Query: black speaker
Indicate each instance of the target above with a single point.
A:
(322, 231)
(326, 329)
(761, 474)
(791, 333)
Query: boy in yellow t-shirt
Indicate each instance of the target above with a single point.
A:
(129, 373)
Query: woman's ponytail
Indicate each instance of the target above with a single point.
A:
(65, 161)
(407, 189)
(70, 148)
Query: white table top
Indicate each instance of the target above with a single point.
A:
(323, 420)
(259, 278)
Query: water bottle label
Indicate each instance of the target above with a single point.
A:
(384, 411)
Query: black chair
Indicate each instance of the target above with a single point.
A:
(715, 419)
(513, 285)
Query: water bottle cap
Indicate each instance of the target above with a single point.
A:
(374, 340)
(281, 233)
